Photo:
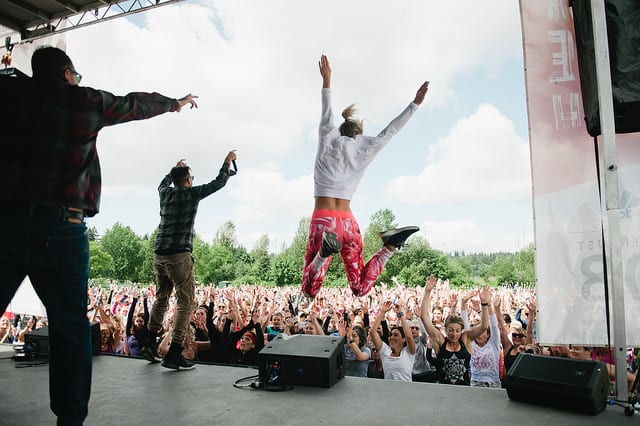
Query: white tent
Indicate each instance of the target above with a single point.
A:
(26, 301)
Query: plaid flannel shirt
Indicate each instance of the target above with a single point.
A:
(49, 141)
(178, 208)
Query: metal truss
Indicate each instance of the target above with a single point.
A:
(81, 16)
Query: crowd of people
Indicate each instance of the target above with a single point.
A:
(433, 333)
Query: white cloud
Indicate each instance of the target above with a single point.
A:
(482, 158)
(262, 195)
(467, 236)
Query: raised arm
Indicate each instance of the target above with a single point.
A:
(163, 347)
(531, 305)
(104, 318)
(255, 322)
(421, 93)
(166, 181)
(145, 307)
(435, 335)
(326, 323)
(464, 313)
(189, 100)
(504, 334)
(411, 344)
(327, 128)
(220, 180)
(365, 313)
(136, 105)
(325, 72)
(317, 327)
(130, 315)
(211, 295)
(453, 303)
(375, 336)
(485, 311)
(357, 351)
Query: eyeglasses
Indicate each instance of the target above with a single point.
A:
(517, 336)
(76, 74)
(192, 178)
(415, 328)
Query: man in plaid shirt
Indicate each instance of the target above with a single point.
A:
(51, 181)
(173, 262)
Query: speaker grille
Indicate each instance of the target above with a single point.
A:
(571, 384)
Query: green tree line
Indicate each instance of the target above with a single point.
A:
(122, 255)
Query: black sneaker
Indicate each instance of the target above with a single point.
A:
(150, 353)
(177, 362)
(397, 237)
(330, 244)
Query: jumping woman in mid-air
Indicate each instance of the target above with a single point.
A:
(341, 160)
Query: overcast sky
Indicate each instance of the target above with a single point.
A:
(460, 169)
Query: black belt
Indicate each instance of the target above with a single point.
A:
(43, 210)
(169, 252)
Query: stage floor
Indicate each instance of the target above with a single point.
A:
(133, 392)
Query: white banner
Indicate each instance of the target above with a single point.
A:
(26, 301)
(567, 212)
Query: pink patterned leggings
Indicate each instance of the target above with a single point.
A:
(361, 277)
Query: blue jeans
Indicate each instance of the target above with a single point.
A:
(55, 256)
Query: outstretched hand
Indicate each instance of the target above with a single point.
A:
(188, 99)
(386, 306)
(325, 71)
(430, 283)
(231, 156)
(422, 92)
(485, 294)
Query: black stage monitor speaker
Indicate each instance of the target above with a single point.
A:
(623, 33)
(39, 340)
(571, 384)
(301, 359)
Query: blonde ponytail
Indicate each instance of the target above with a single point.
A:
(351, 127)
(349, 112)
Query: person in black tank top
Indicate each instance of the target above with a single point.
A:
(453, 367)
(453, 352)
(512, 350)
(520, 337)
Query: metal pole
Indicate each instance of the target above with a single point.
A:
(612, 196)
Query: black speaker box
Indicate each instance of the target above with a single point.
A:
(301, 359)
(623, 33)
(571, 384)
(39, 340)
